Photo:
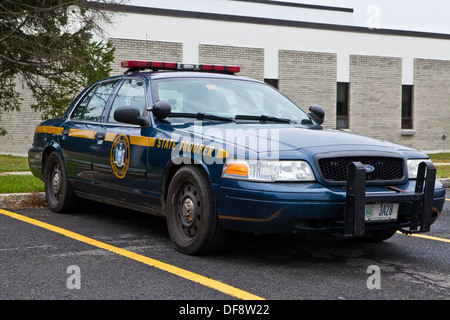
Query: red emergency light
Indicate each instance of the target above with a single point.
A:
(155, 66)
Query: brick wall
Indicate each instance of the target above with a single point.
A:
(310, 78)
(127, 49)
(431, 104)
(251, 60)
(20, 125)
(375, 96)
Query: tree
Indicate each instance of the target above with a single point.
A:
(50, 46)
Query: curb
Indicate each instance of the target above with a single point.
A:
(14, 200)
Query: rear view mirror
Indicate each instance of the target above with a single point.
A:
(131, 115)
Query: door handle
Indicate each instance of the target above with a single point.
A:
(65, 132)
(100, 136)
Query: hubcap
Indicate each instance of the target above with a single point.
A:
(188, 210)
(56, 182)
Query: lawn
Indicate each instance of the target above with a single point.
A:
(440, 157)
(13, 163)
(20, 184)
(17, 183)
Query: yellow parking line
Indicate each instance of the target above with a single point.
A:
(214, 284)
(418, 235)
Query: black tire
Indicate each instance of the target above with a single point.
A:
(193, 225)
(58, 191)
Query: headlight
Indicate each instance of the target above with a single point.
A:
(268, 170)
(413, 166)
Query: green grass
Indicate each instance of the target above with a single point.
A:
(20, 184)
(440, 157)
(13, 163)
(443, 171)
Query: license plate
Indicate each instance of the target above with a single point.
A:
(381, 211)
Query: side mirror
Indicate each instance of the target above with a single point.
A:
(317, 113)
(131, 115)
(161, 109)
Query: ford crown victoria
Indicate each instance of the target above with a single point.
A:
(214, 152)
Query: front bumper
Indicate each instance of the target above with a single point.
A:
(312, 207)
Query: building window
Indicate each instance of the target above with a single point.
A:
(407, 121)
(342, 106)
(272, 82)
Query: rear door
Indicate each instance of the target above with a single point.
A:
(79, 134)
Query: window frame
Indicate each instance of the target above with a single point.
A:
(114, 94)
(89, 90)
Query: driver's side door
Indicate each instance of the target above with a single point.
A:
(120, 154)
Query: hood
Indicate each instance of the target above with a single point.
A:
(290, 139)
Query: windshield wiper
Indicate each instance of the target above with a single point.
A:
(262, 118)
(200, 116)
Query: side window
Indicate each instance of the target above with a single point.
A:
(131, 94)
(92, 105)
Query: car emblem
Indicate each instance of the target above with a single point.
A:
(368, 168)
(120, 156)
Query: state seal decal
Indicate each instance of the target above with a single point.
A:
(120, 156)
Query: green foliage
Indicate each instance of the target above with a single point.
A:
(49, 44)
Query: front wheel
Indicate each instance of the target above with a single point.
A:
(58, 191)
(192, 222)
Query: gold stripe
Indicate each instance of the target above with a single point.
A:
(222, 154)
(426, 237)
(183, 273)
(49, 129)
(142, 141)
(81, 133)
(110, 136)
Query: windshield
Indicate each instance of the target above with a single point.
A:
(226, 98)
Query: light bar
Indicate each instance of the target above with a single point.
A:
(155, 66)
(137, 64)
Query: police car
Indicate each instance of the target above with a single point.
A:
(213, 152)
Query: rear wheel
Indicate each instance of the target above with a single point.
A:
(58, 192)
(192, 222)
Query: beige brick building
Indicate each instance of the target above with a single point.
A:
(385, 83)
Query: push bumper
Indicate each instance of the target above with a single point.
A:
(421, 199)
(311, 207)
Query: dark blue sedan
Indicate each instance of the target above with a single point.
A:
(213, 152)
